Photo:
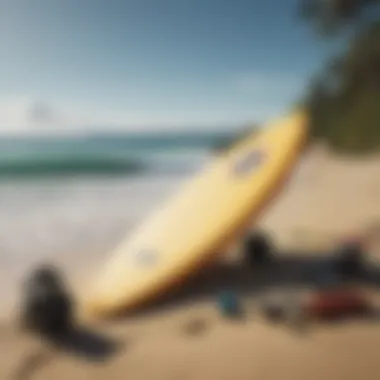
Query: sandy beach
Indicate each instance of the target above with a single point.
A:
(327, 197)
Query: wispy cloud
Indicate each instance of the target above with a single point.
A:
(22, 113)
(25, 114)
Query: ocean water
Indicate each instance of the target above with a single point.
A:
(70, 201)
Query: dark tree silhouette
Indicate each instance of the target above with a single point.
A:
(343, 98)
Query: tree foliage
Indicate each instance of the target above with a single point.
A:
(344, 98)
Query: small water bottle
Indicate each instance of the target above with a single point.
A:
(228, 304)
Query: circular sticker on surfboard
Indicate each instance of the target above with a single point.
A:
(147, 258)
(249, 162)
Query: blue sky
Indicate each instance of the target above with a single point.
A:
(75, 64)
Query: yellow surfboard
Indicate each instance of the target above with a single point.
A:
(210, 211)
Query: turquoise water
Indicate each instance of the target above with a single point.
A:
(131, 154)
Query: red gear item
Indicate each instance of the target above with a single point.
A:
(336, 303)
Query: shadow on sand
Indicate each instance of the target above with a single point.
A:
(79, 342)
(289, 270)
(85, 343)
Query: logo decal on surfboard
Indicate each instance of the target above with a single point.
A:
(249, 162)
(147, 258)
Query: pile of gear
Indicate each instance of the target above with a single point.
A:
(335, 293)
